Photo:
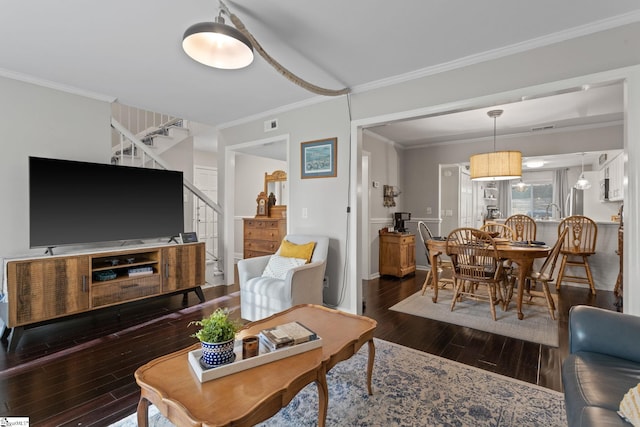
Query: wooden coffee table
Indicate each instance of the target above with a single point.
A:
(256, 394)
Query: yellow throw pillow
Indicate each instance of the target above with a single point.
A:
(291, 250)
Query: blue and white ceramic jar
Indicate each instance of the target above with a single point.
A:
(218, 353)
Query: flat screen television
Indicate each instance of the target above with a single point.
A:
(72, 202)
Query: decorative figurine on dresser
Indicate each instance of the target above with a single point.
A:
(264, 233)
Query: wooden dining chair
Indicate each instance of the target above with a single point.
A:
(425, 234)
(496, 229)
(523, 226)
(541, 277)
(475, 261)
(578, 244)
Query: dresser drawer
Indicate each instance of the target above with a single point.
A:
(261, 245)
(262, 223)
(262, 234)
(124, 290)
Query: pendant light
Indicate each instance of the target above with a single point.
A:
(217, 45)
(498, 165)
(521, 187)
(582, 183)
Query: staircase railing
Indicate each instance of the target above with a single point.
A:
(209, 213)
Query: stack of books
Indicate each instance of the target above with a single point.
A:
(140, 271)
(286, 335)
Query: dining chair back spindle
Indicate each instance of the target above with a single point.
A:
(495, 229)
(524, 227)
(476, 262)
(577, 245)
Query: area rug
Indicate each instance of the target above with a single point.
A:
(412, 388)
(537, 325)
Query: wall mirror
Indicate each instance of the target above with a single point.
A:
(275, 184)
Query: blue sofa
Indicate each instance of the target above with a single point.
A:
(603, 364)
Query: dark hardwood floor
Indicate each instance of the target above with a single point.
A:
(80, 371)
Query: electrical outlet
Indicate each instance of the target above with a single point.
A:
(428, 210)
(376, 184)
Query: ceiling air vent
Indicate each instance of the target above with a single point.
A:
(539, 128)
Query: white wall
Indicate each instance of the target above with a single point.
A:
(385, 162)
(37, 121)
(326, 199)
(205, 158)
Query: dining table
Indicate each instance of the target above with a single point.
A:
(521, 254)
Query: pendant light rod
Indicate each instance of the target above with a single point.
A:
(496, 165)
(494, 114)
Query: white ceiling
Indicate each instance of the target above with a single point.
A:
(131, 50)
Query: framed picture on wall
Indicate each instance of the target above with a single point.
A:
(319, 158)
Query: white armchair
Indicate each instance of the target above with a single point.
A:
(261, 297)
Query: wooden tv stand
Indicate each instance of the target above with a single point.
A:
(48, 288)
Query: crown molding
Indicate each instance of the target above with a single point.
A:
(274, 111)
(383, 139)
(517, 135)
(568, 34)
(56, 86)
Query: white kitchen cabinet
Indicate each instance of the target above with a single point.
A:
(616, 178)
(614, 172)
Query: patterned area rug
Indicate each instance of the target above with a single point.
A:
(537, 325)
(412, 388)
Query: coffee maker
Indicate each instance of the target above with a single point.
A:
(398, 221)
(493, 212)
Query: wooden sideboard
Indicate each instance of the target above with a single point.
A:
(397, 253)
(47, 288)
(263, 236)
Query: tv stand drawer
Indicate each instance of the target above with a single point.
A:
(125, 290)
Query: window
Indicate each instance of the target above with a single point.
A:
(533, 201)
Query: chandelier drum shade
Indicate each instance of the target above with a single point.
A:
(497, 165)
(217, 45)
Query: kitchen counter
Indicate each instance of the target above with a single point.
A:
(557, 221)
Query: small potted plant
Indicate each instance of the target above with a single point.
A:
(217, 335)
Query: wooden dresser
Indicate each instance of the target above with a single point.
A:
(263, 236)
(397, 253)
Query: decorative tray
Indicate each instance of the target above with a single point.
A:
(264, 356)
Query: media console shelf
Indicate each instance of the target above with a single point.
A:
(43, 289)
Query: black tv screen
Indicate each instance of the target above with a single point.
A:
(73, 202)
